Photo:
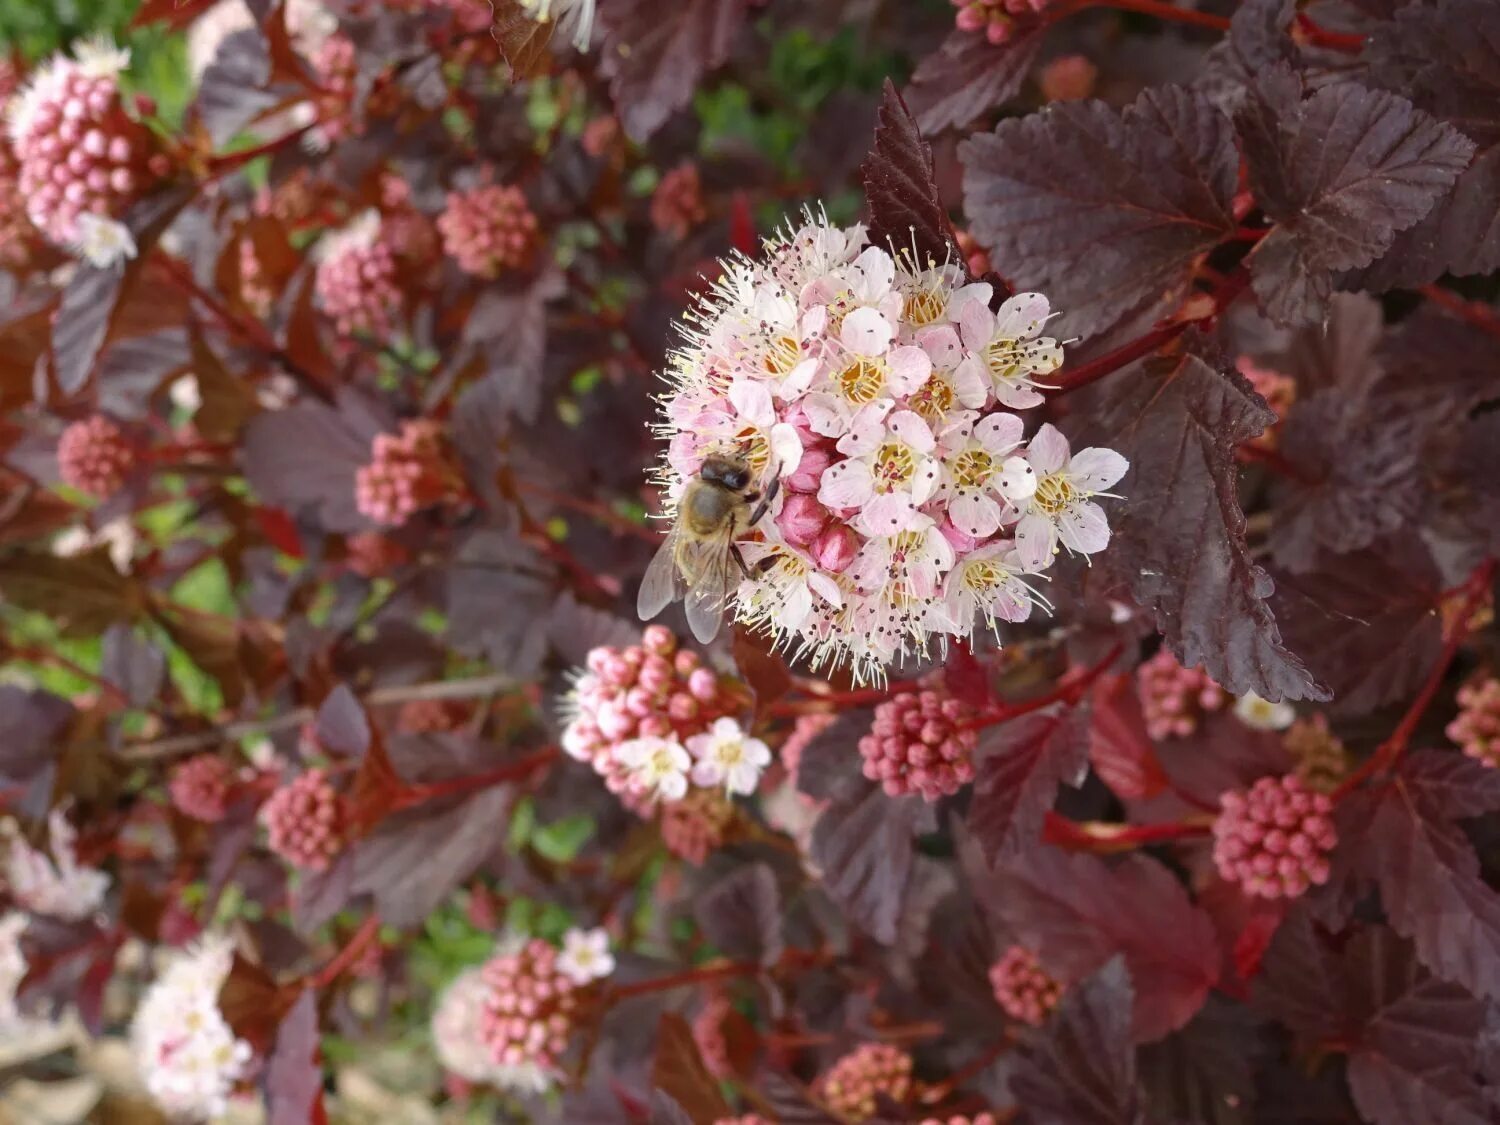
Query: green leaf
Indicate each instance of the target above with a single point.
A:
(562, 840)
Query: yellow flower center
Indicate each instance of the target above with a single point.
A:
(1003, 358)
(860, 381)
(972, 468)
(894, 465)
(926, 305)
(933, 399)
(1054, 493)
(981, 577)
(754, 446)
(782, 354)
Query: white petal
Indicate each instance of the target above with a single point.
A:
(1016, 396)
(847, 484)
(872, 274)
(1022, 316)
(797, 380)
(786, 449)
(974, 514)
(912, 428)
(888, 513)
(866, 332)
(827, 415)
(752, 401)
(976, 324)
(941, 344)
(826, 588)
(1035, 538)
(999, 433)
(1096, 469)
(796, 608)
(1016, 480)
(925, 480)
(970, 386)
(1048, 450)
(673, 786)
(909, 369)
(1083, 527)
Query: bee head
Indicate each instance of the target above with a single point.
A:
(729, 472)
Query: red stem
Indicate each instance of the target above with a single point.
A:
(792, 958)
(835, 700)
(1345, 41)
(228, 162)
(1098, 836)
(1068, 691)
(368, 930)
(1164, 11)
(512, 771)
(1389, 752)
(1471, 312)
(589, 508)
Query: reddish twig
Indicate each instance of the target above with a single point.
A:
(228, 162)
(1164, 11)
(1309, 32)
(591, 508)
(1101, 837)
(511, 771)
(1473, 313)
(721, 970)
(819, 702)
(1389, 752)
(1070, 690)
(368, 931)
(969, 1071)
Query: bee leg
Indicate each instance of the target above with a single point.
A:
(739, 560)
(765, 501)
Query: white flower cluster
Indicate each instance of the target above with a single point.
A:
(722, 755)
(54, 885)
(880, 389)
(12, 970)
(186, 1053)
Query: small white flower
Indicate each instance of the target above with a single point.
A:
(12, 969)
(185, 394)
(102, 242)
(727, 756)
(786, 588)
(54, 885)
(888, 472)
(585, 956)
(574, 16)
(98, 57)
(657, 766)
(974, 451)
(1004, 348)
(987, 584)
(869, 368)
(1261, 714)
(1060, 508)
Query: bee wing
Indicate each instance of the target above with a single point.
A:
(708, 591)
(663, 582)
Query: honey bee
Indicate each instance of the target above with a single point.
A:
(715, 509)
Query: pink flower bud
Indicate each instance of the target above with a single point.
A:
(802, 519)
(835, 548)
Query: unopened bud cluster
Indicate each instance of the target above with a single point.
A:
(996, 19)
(200, 788)
(528, 1014)
(1273, 839)
(355, 283)
(1476, 730)
(306, 821)
(921, 742)
(94, 456)
(488, 230)
(1173, 698)
(408, 472)
(1022, 987)
(677, 204)
(851, 1085)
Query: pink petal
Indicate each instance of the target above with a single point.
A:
(888, 513)
(909, 369)
(976, 324)
(846, 485)
(752, 401)
(1035, 539)
(999, 433)
(911, 428)
(974, 514)
(1083, 527)
(1048, 450)
(1095, 469)
(866, 332)
(1022, 316)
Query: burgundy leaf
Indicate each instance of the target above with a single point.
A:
(30, 723)
(679, 1072)
(1180, 544)
(1365, 622)
(1076, 913)
(666, 1111)
(906, 208)
(342, 725)
(1018, 768)
(864, 848)
(232, 92)
(742, 915)
(1081, 1069)
(829, 768)
(654, 56)
(1104, 211)
(1120, 750)
(498, 602)
(968, 75)
(1445, 57)
(293, 1077)
(82, 595)
(1340, 173)
(1450, 784)
(1205, 1072)
(133, 664)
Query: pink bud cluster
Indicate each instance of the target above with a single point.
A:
(17, 234)
(743, 1119)
(306, 821)
(488, 230)
(1274, 838)
(850, 1086)
(996, 18)
(336, 67)
(356, 280)
(253, 289)
(677, 204)
(530, 1010)
(650, 690)
(919, 744)
(1022, 987)
(708, 1034)
(697, 824)
(1476, 729)
(961, 1119)
(408, 472)
(94, 456)
(1322, 759)
(1174, 698)
(200, 788)
(79, 150)
(1279, 391)
(881, 389)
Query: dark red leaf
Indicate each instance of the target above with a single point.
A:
(82, 595)
(1077, 913)
(498, 602)
(864, 848)
(232, 92)
(1205, 1073)
(1018, 767)
(678, 1071)
(654, 56)
(133, 664)
(741, 915)
(1450, 784)
(1340, 173)
(523, 39)
(293, 1078)
(1105, 211)
(968, 75)
(1180, 544)
(1120, 751)
(341, 724)
(906, 208)
(1081, 1069)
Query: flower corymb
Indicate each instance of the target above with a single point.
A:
(873, 396)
